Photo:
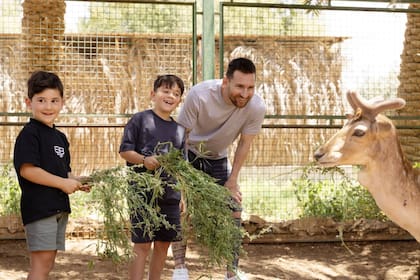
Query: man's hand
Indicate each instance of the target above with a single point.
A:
(182, 206)
(234, 188)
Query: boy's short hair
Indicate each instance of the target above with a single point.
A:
(168, 81)
(241, 64)
(41, 80)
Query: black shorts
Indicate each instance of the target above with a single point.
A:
(172, 213)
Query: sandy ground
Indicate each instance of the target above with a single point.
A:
(360, 260)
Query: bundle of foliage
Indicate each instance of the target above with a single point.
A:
(208, 216)
(9, 191)
(329, 192)
(118, 192)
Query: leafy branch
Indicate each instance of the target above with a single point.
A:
(119, 192)
(208, 216)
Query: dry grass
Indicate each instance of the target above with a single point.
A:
(111, 75)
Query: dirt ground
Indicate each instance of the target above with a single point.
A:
(321, 260)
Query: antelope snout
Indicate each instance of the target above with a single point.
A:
(318, 154)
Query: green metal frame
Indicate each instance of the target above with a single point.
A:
(208, 40)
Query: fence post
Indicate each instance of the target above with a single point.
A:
(208, 40)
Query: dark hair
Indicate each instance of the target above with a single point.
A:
(241, 64)
(168, 81)
(41, 80)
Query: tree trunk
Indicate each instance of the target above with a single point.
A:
(409, 88)
(43, 31)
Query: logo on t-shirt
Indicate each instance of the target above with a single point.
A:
(59, 151)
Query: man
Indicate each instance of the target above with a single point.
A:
(214, 114)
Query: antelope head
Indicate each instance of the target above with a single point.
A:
(363, 136)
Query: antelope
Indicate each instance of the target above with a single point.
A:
(369, 139)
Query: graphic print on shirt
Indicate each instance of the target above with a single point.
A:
(59, 151)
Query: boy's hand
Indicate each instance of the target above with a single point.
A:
(151, 163)
(70, 185)
(85, 187)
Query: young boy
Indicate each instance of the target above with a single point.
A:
(42, 163)
(142, 134)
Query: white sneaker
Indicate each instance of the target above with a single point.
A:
(180, 274)
(239, 276)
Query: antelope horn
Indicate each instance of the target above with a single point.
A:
(350, 100)
(371, 110)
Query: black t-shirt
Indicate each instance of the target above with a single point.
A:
(143, 132)
(47, 148)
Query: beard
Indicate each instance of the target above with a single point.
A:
(239, 102)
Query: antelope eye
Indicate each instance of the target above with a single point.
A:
(358, 132)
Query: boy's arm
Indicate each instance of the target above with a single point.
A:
(135, 158)
(39, 176)
(132, 157)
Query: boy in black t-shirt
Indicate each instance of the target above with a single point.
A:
(42, 163)
(142, 134)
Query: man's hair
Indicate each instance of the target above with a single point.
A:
(41, 80)
(241, 64)
(168, 81)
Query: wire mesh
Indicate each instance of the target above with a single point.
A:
(109, 53)
(306, 61)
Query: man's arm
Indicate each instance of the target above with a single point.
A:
(241, 153)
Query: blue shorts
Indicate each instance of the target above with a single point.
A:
(47, 234)
(173, 216)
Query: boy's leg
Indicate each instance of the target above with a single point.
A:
(157, 263)
(137, 265)
(42, 262)
(44, 237)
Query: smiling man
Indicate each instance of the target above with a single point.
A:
(215, 114)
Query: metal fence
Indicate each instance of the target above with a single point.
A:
(108, 54)
(307, 58)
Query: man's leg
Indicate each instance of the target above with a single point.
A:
(179, 250)
(232, 268)
(220, 170)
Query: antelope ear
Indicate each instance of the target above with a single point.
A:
(383, 127)
(349, 116)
